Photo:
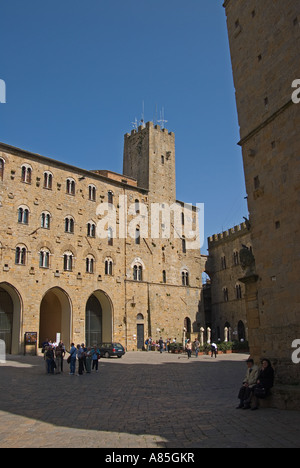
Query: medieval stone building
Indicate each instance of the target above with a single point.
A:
(228, 320)
(265, 45)
(93, 256)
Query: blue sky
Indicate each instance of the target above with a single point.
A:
(77, 73)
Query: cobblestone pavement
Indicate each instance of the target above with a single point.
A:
(144, 400)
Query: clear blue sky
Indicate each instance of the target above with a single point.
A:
(77, 73)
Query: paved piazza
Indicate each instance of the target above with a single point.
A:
(144, 400)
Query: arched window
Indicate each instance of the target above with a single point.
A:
(183, 242)
(68, 261)
(26, 174)
(236, 258)
(90, 264)
(238, 291)
(69, 225)
(23, 215)
(91, 229)
(138, 273)
(108, 266)
(48, 179)
(70, 186)
(45, 220)
(20, 258)
(110, 197)
(185, 278)
(225, 295)
(92, 193)
(44, 258)
(241, 331)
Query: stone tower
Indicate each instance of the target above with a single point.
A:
(149, 157)
(265, 46)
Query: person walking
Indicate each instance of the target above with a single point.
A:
(214, 350)
(189, 348)
(161, 345)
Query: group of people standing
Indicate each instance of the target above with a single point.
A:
(88, 359)
(54, 354)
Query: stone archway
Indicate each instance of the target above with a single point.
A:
(98, 319)
(55, 316)
(10, 318)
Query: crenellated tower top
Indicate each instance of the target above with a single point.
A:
(149, 157)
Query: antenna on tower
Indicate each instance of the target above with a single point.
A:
(142, 122)
(162, 120)
(135, 124)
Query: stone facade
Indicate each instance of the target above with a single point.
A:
(264, 41)
(59, 274)
(228, 307)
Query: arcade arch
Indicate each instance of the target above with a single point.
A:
(55, 316)
(98, 319)
(10, 317)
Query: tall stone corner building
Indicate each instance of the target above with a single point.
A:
(59, 275)
(265, 48)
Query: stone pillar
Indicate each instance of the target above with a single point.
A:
(201, 336)
(208, 335)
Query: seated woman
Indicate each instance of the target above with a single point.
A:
(265, 382)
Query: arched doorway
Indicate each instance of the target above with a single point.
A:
(10, 318)
(93, 321)
(55, 316)
(98, 319)
(188, 327)
(140, 331)
(241, 331)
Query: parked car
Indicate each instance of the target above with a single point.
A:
(111, 349)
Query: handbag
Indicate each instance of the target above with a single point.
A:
(69, 360)
(260, 392)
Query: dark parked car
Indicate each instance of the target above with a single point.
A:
(111, 349)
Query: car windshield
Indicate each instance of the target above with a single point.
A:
(118, 345)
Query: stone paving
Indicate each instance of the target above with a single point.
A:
(144, 400)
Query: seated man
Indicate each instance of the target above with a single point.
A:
(249, 383)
